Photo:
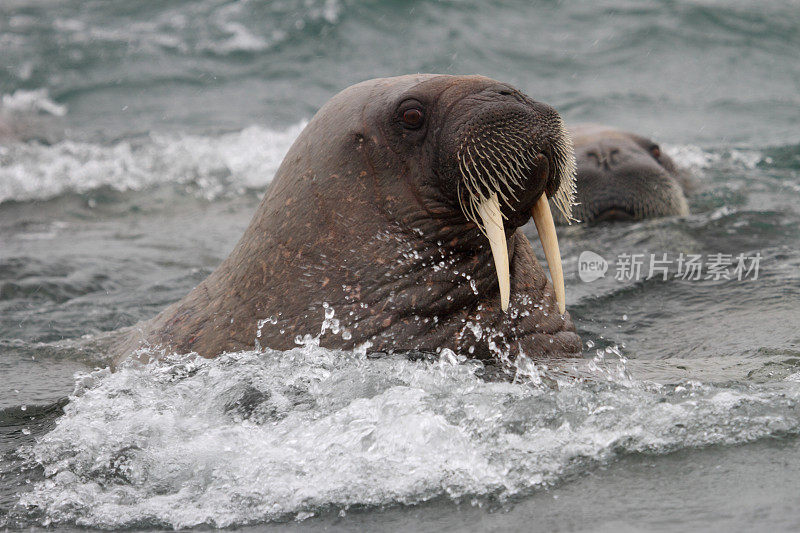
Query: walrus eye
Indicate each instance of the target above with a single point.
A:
(655, 151)
(412, 117)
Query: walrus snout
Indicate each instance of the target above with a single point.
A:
(513, 147)
(634, 192)
(512, 153)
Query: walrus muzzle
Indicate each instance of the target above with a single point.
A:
(509, 163)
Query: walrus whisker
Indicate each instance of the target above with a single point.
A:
(473, 191)
(511, 160)
(466, 174)
(472, 179)
(502, 177)
(490, 174)
(498, 185)
(511, 175)
(514, 142)
(513, 195)
(511, 166)
(566, 170)
(471, 212)
(481, 175)
(490, 185)
(504, 171)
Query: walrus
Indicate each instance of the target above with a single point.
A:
(392, 225)
(624, 176)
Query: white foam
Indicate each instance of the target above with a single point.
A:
(693, 157)
(217, 165)
(33, 101)
(252, 437)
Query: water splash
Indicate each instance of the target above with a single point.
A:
(253, 436)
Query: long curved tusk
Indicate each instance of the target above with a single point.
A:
(492, 219)
(543, 219)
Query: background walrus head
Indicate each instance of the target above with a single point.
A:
(624, 176)
(394, 218)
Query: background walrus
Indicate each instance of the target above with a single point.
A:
(394, 217)
(624, 176)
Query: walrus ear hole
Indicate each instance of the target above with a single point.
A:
(413, 118)
(655, 151)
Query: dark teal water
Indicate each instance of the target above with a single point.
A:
(139, 138)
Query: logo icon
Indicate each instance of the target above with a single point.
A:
(591, 266)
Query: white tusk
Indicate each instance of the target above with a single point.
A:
(543, 219)
(492, 219)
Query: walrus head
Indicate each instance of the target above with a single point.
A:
(624, 176)
(479, 153)
(394, 218)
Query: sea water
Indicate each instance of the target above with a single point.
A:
(147, 135)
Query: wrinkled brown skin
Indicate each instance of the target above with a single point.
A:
(354, 219)
(624, 176)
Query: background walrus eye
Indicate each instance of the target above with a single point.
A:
(412, 117)
(655, 151)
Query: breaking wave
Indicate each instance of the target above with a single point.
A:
(217, 165)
